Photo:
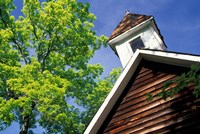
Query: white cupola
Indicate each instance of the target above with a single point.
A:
(134, 32)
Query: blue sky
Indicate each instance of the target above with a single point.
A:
(178, 21)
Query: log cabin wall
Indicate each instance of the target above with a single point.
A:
(133, 113)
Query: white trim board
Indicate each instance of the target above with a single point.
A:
(172, 58)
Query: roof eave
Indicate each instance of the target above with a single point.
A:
(172, 58)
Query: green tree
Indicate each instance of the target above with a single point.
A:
(44, 58)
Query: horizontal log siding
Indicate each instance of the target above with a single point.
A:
(133, 113)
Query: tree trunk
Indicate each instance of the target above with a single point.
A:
(24, 126)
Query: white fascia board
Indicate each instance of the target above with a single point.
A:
(129, 32)
(150, 55)
(172, 58)
(114, 94)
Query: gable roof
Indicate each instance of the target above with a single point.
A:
(167, 57)
(129, 21)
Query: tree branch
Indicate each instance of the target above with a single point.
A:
(49, 50)
(45, 57)
(13, 39)
(20, 49)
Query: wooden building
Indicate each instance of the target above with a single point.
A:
(147, 66)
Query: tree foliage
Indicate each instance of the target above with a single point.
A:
(44, 58)
(172, 87)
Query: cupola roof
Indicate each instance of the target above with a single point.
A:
(129, 21)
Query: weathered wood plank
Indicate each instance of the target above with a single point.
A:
(149, 108)
(134, 114)
(157, 114)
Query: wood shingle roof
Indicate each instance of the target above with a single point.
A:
(129, 21)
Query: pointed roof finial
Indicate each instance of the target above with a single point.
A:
(127, 12)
